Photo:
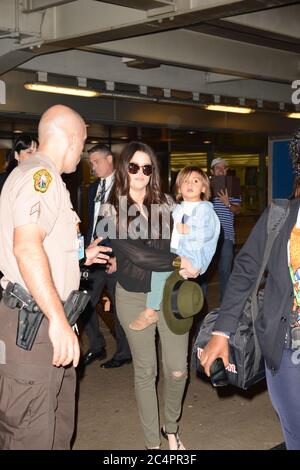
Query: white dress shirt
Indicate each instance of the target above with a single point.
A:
(108, 185)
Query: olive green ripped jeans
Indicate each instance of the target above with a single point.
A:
(143, 350)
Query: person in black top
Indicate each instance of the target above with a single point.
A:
(278, 327)
(135, 193)
(102, 162)
(24, 147)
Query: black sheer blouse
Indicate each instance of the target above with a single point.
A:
(136, 259)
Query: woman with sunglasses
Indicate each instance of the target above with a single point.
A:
(137, 188)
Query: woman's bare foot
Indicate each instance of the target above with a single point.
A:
(146, 318)
(173, 440)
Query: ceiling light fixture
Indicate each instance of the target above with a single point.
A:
(63, 90)
(228, 109)
(294, 115)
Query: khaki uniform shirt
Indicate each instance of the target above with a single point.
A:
(34, 193)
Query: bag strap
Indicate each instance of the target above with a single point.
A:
(278, 213)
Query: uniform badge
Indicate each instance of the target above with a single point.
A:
(42, 180)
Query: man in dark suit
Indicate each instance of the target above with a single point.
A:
(101, 160)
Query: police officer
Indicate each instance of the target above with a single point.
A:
(39, 251)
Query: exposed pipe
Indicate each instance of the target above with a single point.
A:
(17, 22)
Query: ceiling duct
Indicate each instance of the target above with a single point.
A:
(141, 64)
(140, 5)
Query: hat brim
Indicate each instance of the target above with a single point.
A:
(177, 326)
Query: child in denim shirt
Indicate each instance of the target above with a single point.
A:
(195, 236)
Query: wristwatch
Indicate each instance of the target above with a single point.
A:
(229, 205)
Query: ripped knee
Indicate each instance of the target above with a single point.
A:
(178, 374)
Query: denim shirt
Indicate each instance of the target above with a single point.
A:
(199, 245)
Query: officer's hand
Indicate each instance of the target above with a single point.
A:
(96, 254)
(216, 347)
(64, 341)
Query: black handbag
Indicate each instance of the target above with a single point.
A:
(246, 364)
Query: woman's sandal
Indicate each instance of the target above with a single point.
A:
(165, 435)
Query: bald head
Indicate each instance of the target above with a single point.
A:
(58, 118)
(62, 133)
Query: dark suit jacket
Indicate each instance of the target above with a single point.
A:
(273, 323)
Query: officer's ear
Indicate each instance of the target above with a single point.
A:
(17, 156)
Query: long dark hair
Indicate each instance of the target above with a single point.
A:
(121, 186)
(23, 142)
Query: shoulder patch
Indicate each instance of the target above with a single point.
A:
(42, 180)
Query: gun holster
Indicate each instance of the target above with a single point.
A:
(30, 315)
(75, 305)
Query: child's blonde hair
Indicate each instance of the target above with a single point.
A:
(185, 173)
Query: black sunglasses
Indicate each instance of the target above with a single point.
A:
(218, 375)
(133, 168)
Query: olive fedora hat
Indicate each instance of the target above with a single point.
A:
(182, 299)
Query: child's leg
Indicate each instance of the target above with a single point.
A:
(149, 316)
(154, 297)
